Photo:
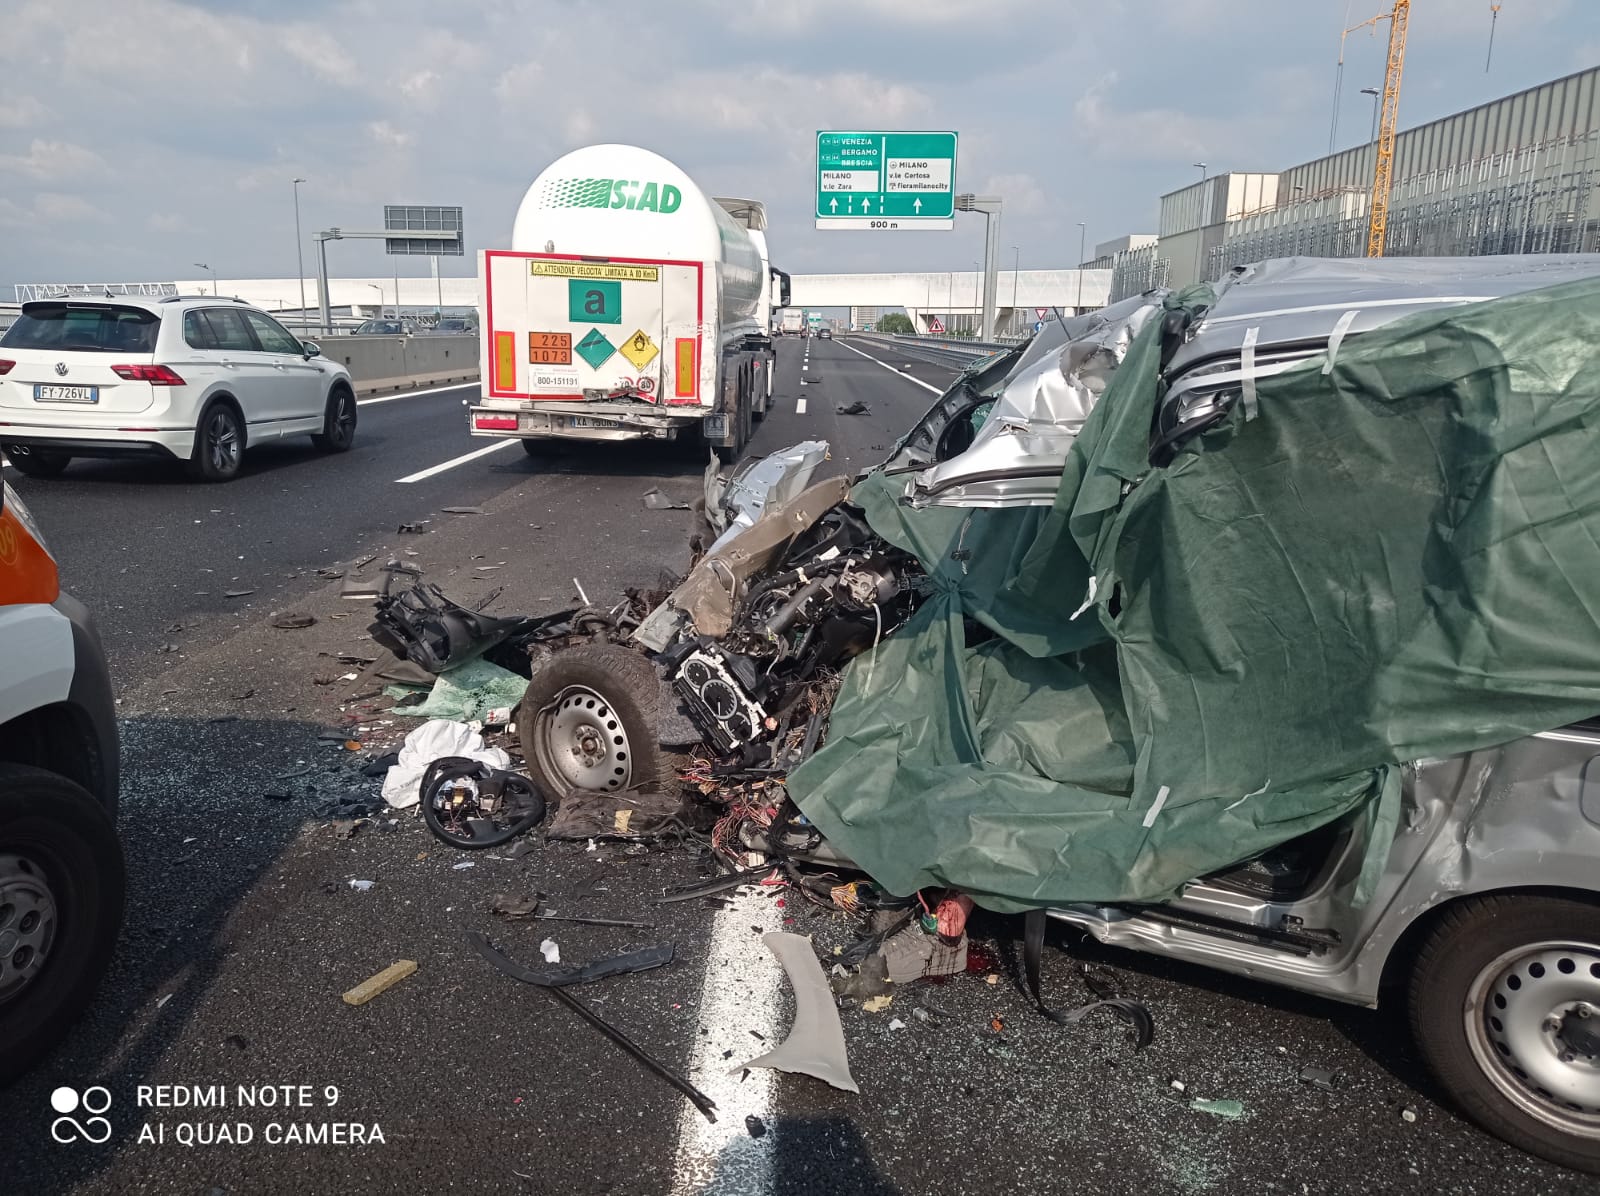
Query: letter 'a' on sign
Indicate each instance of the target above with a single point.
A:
(594, 301)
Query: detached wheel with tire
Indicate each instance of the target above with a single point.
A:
(338, 422)
(36, 464)
(218, 444)
(61, 896)
(589, 721)
(1505, 1006)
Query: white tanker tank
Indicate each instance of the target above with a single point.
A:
(630, 305)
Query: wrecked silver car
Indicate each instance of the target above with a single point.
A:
(1248, 625)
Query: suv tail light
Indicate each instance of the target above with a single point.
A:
(156, 375)
(6, 366)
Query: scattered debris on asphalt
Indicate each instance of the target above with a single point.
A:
(657, 501)
(463, 510)
(237, 593)
(435, 740)
(856, 408)
(298, 621)
(382, 982)
(550, 951)
(1322, 1077)
(470, 805)
(754, 1126)
(362, 886)
(413, 528)
(1230, 1110)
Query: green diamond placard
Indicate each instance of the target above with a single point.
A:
(595, 349)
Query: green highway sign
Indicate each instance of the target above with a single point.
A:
(880, 180)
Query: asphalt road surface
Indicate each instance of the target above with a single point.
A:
(243, 928)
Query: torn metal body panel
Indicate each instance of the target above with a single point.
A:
(736, 502)
(1019, 433)
(421, 625)
(1489, 821)
(815, 1044)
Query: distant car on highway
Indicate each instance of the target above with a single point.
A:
(825, 334)
(387, 328)
(451, 326)
(190, 378)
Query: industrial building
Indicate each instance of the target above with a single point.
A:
(1515, 175)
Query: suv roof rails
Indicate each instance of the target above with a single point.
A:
(209, 298)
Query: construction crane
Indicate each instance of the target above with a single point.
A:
(1383, 162)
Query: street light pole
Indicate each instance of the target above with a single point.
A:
(1376, 96)
(203, 266)
(299, 254)
(1016, 267)
(1081, 230)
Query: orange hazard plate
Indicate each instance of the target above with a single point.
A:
(550, 348)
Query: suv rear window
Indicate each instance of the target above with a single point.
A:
(101, 328)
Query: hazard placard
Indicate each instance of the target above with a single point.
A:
(639, 349)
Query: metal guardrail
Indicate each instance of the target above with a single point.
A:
(939, 350)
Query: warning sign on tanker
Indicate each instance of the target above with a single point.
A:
(595, 349)
(606, 270)
(639, 349)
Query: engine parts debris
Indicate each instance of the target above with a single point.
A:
(421, 625)
(856, 408)
(815, 1043)
(469, 805)
(516, 971)
(382, 982)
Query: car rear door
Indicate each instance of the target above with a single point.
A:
(249, 374)
(305, 398)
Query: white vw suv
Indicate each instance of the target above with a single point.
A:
(196, 379)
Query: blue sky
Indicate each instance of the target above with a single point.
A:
(140, 136)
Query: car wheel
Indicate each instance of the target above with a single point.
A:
(588, 721)
(61, 895)
(36, 464)
(338, 423)
(218, 444)
(1505, 1006)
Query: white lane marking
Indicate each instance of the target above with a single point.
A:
(423, 474)
(742, 990)
(800, 407)
(416, 394)
(892, 370)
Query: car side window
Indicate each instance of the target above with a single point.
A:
(197, 332)
(274, 337)
(228, 330)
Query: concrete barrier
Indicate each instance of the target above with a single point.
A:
(400, 362)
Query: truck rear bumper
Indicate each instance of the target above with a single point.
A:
(588, 421)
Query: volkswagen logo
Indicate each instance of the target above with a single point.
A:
(61, 368)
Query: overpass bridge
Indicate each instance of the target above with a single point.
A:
(953, 298)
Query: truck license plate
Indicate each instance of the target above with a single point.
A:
(66, 394)
(588, 421)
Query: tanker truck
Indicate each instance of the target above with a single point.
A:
(630, 306)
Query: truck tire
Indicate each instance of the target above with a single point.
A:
(589, 721)
(1505, 1006)
(62, 886)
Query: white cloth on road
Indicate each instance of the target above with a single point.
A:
(402, 786)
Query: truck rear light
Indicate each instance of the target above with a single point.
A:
(495, 423)
(6, 366)
(156, 375)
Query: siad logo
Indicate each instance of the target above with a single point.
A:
(631, 194)
(94, 1128)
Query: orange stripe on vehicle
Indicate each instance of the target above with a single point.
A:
(505, 361)
(27, 574)
(688, 376)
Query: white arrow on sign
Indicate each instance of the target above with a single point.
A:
(833, 204)
(916, 206)
(866, 204)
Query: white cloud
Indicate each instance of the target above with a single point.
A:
(1022, 193)
(50, 208)
(385, 134)
(19, 112)
(53, 161)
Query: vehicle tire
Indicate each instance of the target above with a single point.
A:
(338, 433)
(541, 446)
(218, 443)
(589, 721)
(61, 895)
(1505, 1006)
(728, 454)
(36, 464)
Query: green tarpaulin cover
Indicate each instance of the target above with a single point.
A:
(1391, 558)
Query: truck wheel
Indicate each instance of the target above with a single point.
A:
(589, 721)
(740, 414)
(1505, 1006)
(61, 895)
